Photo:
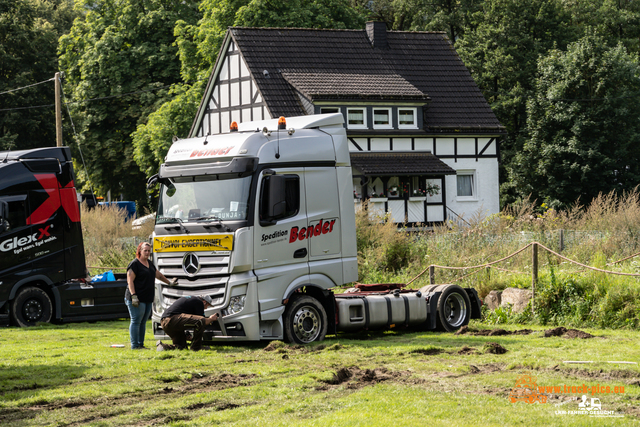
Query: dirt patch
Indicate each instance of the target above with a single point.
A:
(555, 332)
(574, 333)
(427, 351)
(566, 333)
(494, 348)
(215, 406)
(467, 350)
(491, 332)
(355, 378)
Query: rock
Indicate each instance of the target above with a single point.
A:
(492, 300)
(518, 298)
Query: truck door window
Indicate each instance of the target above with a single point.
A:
(17, 216)
(291, 198)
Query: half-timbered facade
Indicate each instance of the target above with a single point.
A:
(423, 139)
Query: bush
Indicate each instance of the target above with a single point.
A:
(109, 240)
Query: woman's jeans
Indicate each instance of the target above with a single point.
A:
(139, 316)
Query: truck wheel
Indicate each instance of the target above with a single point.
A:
(32, 305)
(454, 308)
(305, 320)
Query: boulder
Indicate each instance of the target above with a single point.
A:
(518, 298)
(492, 300)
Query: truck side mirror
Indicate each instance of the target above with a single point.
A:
(4, 214)
(272, 199)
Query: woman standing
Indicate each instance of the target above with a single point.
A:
(141, 275)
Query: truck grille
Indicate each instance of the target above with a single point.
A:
(202, 275)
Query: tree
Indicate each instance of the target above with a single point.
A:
(120, 59)
(615, 20)
(583, 125)
(451, 16)
(501, 51)
(29, 32)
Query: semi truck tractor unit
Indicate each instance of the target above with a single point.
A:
(42, 264)
(262, 219)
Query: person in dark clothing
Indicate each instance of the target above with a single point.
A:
(141, 286)
(186, 313)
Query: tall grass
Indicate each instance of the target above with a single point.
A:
(109, 239)
(598, 234)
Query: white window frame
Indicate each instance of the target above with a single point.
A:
(474, 185)
(364, 115)
(329, 108)
(415, 118)
(388, 125)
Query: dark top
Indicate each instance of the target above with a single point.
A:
(145, 281)
(185, 305)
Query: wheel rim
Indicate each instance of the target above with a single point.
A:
(306, 324)
(455, 310)
(32, 310)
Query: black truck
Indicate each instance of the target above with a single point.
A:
(42, 264)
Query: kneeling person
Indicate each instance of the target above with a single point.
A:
(187, 312)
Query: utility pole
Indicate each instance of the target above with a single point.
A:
(58, 111)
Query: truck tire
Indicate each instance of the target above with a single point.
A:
(454, 309)
(305, 320)
(31, 306)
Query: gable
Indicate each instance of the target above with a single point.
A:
(231, 95)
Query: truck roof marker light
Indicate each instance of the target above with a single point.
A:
(282, 123)
(233, 127)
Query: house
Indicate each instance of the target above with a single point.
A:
(423, 140)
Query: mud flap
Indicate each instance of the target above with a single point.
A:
(476, 304)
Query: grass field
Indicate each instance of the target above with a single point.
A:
(69, 375)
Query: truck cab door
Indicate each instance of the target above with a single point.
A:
(323, 211)
(281, 251)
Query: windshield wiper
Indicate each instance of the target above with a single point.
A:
(169, 220)
(180, 225)
(205, 218)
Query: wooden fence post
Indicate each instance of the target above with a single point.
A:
(432, 275)
(534, 274)
(561, 241)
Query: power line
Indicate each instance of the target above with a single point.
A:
(26, 87)
(85, 100)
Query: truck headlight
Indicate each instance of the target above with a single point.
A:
(236, 304)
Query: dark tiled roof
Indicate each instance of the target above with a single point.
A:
(396, 164)
(425, 60)
(351, 85)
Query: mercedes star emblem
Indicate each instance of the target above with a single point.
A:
(191, 264)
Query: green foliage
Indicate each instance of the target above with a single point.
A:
(29, 32)
(299, 13)
(382, 248)
(584, 96)
(120, 47)
(174, 118)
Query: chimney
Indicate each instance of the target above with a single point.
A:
(377, 33)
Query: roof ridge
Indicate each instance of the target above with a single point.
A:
(336, 29)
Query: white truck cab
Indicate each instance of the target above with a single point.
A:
(254, 216)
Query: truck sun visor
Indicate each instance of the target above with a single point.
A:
(242, 166)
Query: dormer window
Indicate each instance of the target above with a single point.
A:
(329, 110)
(407, 118)
(382, 118)
(356, 118)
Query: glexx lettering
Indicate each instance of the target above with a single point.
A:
(322, 227)
(23, 242)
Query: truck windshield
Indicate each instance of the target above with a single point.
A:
(202, 198)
